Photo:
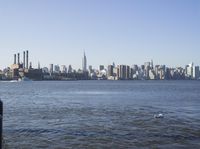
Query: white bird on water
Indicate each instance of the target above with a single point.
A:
(160, 115)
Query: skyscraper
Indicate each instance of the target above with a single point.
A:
(84, 63)
(195, 72)
(190, 70)
(70, 69)
(51, 68)
(151, 65)
(101, 67)
(63, 69)
(110, 70)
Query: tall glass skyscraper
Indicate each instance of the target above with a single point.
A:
(84, 63)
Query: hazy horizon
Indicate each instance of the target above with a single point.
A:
(125, 32)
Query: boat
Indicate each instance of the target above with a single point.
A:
(13, 81)
(24, 79)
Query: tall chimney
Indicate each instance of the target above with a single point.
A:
(24, 59)
(15, 58)
(18, 58)
(27, 59)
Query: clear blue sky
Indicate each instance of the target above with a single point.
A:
(123, 31)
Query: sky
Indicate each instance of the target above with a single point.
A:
(121, 31)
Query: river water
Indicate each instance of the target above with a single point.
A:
(101, 114)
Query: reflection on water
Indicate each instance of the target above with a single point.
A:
(101, 114)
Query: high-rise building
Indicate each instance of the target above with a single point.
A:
(38, 65)
(195, 72)
(146, 69)
(157, 71)
(63, 69)
(114, 64)
(189, 70)
(57, 69)
(45, 70)
(127, 72)
(51, 68)
(110, 70)
(90, 69)
(161, 72)
(122, 72)
(151, 65)
(101, 67)
(131, 72)
(84, 63)
(70, 69)
(152, 75)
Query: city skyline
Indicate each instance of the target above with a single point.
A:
(148, 71)
(124, 32)
(19, 58)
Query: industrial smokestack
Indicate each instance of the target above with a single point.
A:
(15, 58)
(24, 59)
(18, 55)
(27, 59)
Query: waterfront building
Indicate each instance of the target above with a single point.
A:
(142, 67)
(51, 68)
(93, 75)
(70, 69)
(33, 74)
(101, 67)
(122, 72)
(114, 64)
(152, 75)
(57, 69)
(146, 69)
(116, 73)
(195, 72)
(130, 73)
(189, 70)
(90, 67)
(45, 70)
(102, 75)
(151, 65)
(127, 72)
(156, 71)
(162, 72)
(84, 63)
(38, 65)
(63, 69)
(110, 70)
(168, 74)
(135, 68)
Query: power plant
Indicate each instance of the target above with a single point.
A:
(23, 69)
(25, 60)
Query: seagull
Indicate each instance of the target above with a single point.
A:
(160, 115)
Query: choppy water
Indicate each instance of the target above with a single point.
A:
(101, 114)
